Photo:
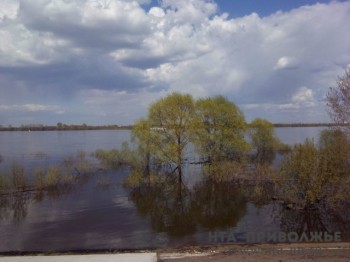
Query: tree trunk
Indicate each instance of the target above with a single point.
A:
(179, 169)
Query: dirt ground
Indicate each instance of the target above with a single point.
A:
(324, 252)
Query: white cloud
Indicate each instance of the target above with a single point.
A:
(8, 10)
(286, 62)
(304, 97)
(126, 53)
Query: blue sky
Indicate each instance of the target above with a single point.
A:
(262, 8)
(105, 61)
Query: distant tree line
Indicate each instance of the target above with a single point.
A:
(306, 125)
(61, 126)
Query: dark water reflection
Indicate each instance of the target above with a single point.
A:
(178, 211)
(92, 216)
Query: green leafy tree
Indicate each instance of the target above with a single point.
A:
(314, 174)
(264, 141)
(334, 149)
(301, 170)
(172, 120)
(147, 145)
(220, 130)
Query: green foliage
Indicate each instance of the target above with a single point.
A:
(52, 178)
(108, 158)
(39, 174)
(220, 130)
(224, 171)
(146, 139)
(116, 158)
(315, 174)
(19, 181)
(264, 141)
(81, 164)
(134, 179)
(214, 125)
(172, 120)
(335, 150)
(301, 166)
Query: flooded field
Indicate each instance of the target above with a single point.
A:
(98, 212)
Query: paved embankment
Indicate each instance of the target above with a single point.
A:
(133, 257)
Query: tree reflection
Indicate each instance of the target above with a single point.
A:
(169, 207)
(319, 219)
(178, 211)
(14, 206)
(218, 205)
(19, 206)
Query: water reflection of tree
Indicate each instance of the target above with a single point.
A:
(318, 219)
(14, 206)
(169, 207)
(218, 205)
(177, 210)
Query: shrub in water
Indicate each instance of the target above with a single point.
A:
(66, 179)
(108, 158)
(52, 178)
(39, 178)
(18, 178)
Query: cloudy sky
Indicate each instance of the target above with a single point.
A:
(105, 61)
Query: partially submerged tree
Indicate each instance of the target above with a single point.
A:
(146, 140)
(219, 135)
(338, 100)
(263, 140)
(172, 119)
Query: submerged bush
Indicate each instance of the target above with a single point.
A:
(108, 158)
(18, 177)
(39, 174)
(51, 178)
(313, 174)
(116, 158)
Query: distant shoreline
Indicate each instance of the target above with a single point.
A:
(64, 128)
(129, 127)
(305, 125)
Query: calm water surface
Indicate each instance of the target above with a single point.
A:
(99, 215)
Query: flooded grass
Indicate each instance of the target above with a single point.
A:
(72, 169)
(19, 181)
